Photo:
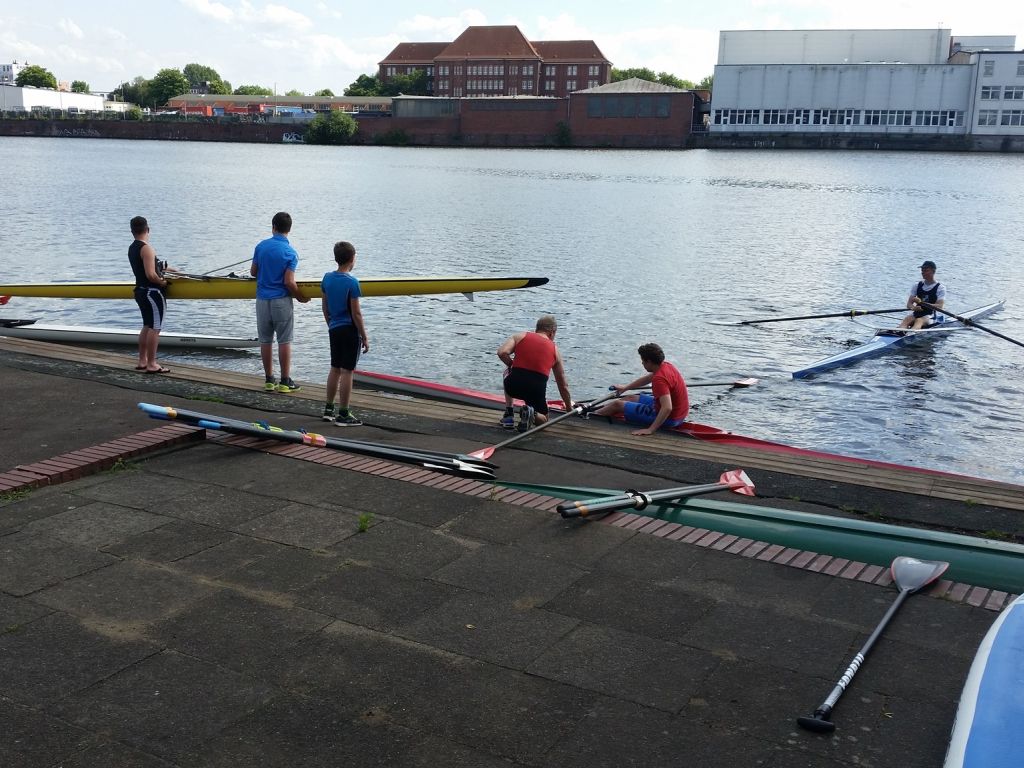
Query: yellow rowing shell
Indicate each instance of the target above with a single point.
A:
(245, 288)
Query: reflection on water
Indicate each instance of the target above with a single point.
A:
(639, 245)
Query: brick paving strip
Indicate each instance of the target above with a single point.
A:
(87, 461)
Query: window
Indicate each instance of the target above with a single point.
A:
(458, 69)
(941, 117)
(1020, 68)
(787, 116)
(737, 116)
(570, 85)
(549, 85)
(989, 92)
(513, 69)
(592, 83)
(443, 70)
(430, 71)
(1012, 117)
(549, 70)
(389, 71)
(836, 117)
(570, 70)
(527, 85)
(987, 116)
(988, 68)
(527, 69)
(1014, 92)
(595, 69)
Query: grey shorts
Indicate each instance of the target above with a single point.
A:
(274, 316)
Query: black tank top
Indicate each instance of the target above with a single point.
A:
(138, 268)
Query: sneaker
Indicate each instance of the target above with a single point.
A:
(508, 422)
(288, 385)
(270, 385)
(526, 413)
(329, 412)
(347, 420)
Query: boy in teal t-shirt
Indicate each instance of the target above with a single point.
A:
(347, 332)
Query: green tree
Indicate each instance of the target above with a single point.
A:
(333, 128)
(165, 85)
(706, 83)
(641, 72)
(79, 86)
(136, 92)
(133, 113)
(365, 85)
(36, 76)
(324, 93)
(253, 90)
(413, 84)
(666, 78)
(200, 76)
(295, 92)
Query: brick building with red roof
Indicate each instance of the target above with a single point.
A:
(500, 61)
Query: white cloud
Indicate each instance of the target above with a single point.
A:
(69, 27)
(422, 28)
(274, 15)
(687, 53)
(214, 10)
(562, 27)
(326, 10)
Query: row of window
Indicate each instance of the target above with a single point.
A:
(629, 105)
(1005, 117)
(923, 117)
(994, 92)
(988, 67)
(445, 70)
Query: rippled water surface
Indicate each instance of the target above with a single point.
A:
(639, 246)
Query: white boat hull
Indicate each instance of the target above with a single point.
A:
(81, 334)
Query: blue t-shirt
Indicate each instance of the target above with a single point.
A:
(339, 288)
(273, 257)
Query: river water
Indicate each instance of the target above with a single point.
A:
(639, 246)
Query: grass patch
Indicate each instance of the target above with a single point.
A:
(364, 522)
(121, 465)
(997, 535)
(9, 496)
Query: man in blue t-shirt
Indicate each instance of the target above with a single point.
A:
(344, 320)
(273, 265)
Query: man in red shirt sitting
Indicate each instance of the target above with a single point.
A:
(666, 406)
(530, 357)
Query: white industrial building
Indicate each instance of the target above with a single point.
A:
(29, 99)
(912, 81)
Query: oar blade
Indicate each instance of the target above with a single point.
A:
(910, 574)
(738, 482)
(748, 382)
(483, 453)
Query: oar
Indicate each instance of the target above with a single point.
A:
(847, 313)
(909, 575)
(486, 453)
(226, 266)
(973, 324)
(4, 300)
(735, 480)
(748, 382)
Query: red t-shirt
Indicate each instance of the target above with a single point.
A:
(668, 381)
(535, 352)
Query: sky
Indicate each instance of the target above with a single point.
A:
(313, 44)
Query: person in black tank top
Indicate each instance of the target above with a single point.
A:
(150, 285)
(926, 291)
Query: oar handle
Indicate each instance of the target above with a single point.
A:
(972, 324)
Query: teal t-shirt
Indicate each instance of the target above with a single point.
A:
(339, 288)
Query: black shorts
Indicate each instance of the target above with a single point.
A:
(152, 305)
(345, 347)
(529, 386)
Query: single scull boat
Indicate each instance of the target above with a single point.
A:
(83, 334)
(884, 340)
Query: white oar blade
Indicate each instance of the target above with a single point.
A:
(738, 482)
(911, 574)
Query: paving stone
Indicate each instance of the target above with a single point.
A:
(214, 505)
(651, 559)
(631, 606)
(33, 738)
(29, 562)
(650, 672)
(581, 543)
(496, 522)
(17, 611)
(393, 545)
(135, 488)
(622, 734)
(237, 632)
(510, 574)
(285, 569)
(176, 540)
(55, 656)
(129, 592)
(373, 598)
(165, 705)
(40, 503)
(235, 553)
(96, 525)
(478, 626)
(498, 711)
(303, 526)
(306, 732)
(113, 755)
(430, 752)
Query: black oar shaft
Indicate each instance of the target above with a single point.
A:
(635, 499)
(972, 324)
(848, 313)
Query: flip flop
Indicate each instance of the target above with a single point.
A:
(140, 367)
(159, 370)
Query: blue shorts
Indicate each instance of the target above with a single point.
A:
(643, 411)
(152, 305)
(274, 316)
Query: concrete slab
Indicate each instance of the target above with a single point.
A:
(29, 562)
